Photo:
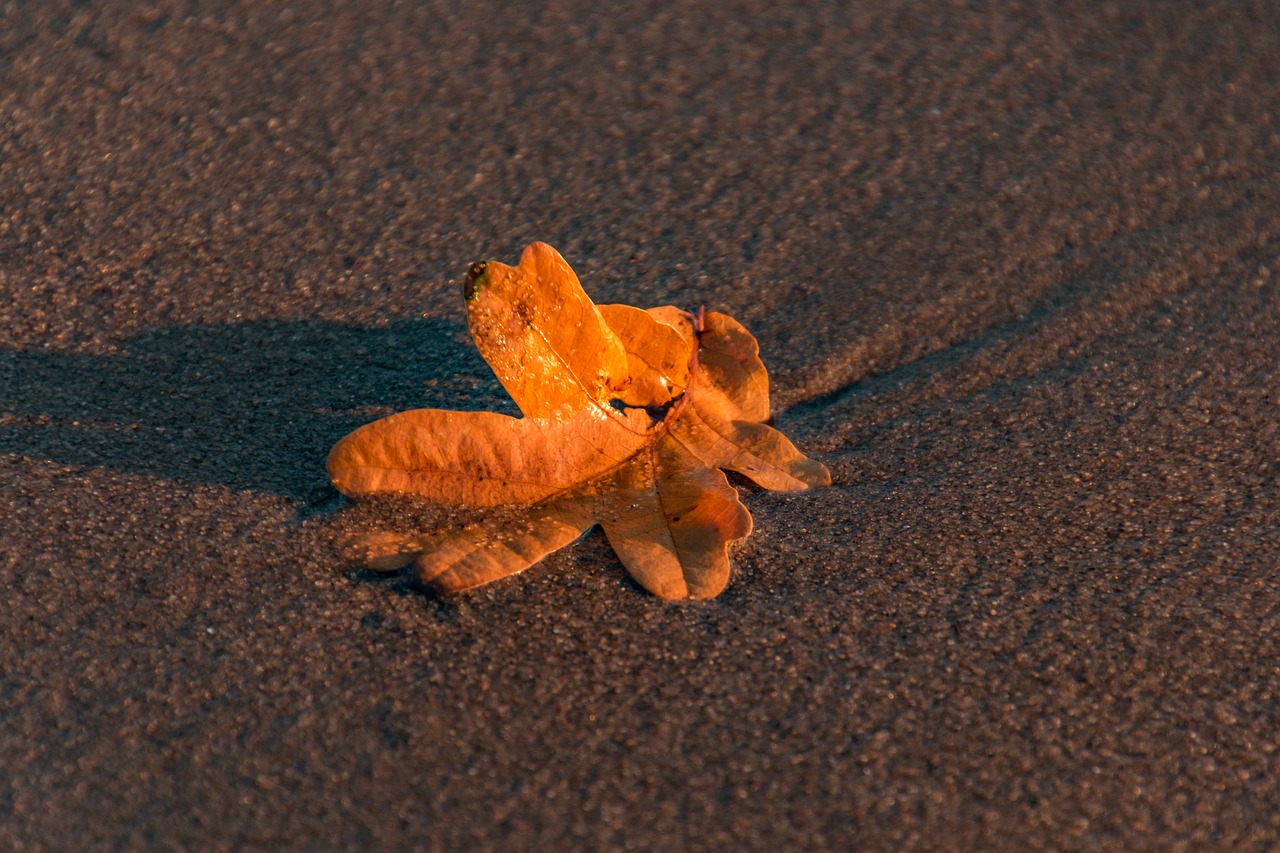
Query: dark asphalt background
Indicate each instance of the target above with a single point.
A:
(1014, 268)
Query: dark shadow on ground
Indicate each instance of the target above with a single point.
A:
(247, 406)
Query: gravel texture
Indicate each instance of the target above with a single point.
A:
(1015, 269)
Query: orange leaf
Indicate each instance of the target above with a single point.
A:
(673, 531)
(627, 416)
(657, 353)
(542, 335)
(483, 459)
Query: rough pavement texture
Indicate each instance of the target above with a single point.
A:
(1015, 269)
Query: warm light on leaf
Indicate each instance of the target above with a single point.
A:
(542, 335)
(628, 414)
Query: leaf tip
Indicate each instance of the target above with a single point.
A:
(816, 474)
(337, 465)
(477, 278)
(539, 249)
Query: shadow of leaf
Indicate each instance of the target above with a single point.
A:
(247, 406)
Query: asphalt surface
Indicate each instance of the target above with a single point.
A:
(1015, 270)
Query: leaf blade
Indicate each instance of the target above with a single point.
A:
(732, 372)
(543, 336)
(673, 528)
(657, 355)
(752, 449)
(480, 459)
(478, 554)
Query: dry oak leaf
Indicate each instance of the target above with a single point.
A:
(627, 415)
